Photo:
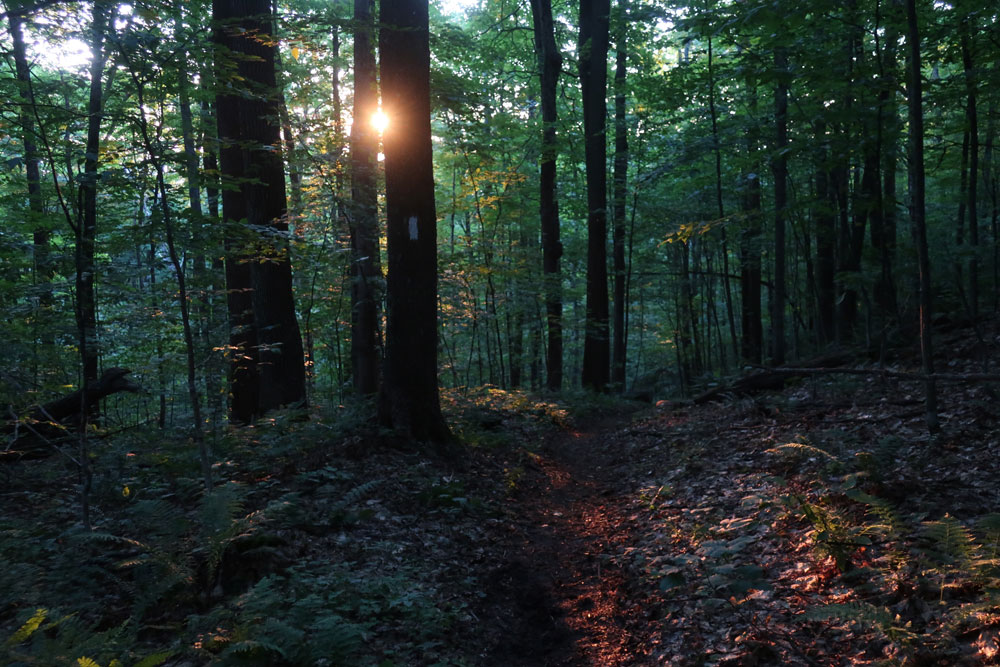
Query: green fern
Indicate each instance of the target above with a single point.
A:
(160, 518)
(803, 450)
(951, 545)
(355, 495)
(881, 458)
(877, 618)
(29, 627)
(989, 526)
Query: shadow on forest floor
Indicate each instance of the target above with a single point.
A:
(819, 525)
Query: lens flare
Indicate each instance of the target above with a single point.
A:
(380, 121)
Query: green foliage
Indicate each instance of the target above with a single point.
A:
(883, 553)
(879, 618)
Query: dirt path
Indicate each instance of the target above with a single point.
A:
(559, 598)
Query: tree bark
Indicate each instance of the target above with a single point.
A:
(779, 166)
(917, 209)
(365, 270)
(410, 402)
(269, 370)
(826, 241)
(549, 65)
(751, 347)
(86, 227)
(620, 339)
(972, 127)
(42, 260)
(717, 149)
(593, 49)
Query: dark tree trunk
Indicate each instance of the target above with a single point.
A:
(42, 261)
(269, 371)
(549, 64)
(410, 401)
(917, 208)
(86, 227)
(779, 166)
(717, 149)
(365, 272)
(885, 241)
(972, 127)
(826, 242)
(620, 339)
(752, 344)
(593, 48)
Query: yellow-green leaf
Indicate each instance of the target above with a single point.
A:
(28, 628)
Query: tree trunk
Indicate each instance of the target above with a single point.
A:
(972, 127)
(366, 273)
(549, 65)
(269, 370)
(593, 49)
(917, 208)
(885, 241)
(779, 166)
(86, 227)
(750, 264)
(619, 341)
(42, 261)
(826, 242)
(410, 401)
(717, 149)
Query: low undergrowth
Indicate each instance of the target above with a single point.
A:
(321, 543)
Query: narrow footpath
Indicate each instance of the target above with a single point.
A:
(560, 598)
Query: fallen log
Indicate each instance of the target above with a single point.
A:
(35, 434)
(771, 379)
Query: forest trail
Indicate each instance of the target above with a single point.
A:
(560, 597)
(819, 525)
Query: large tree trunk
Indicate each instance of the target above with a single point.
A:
(593, 48)
(549, 64)
(917, 208)
(410, 401)
(269, 370)
(620, 340)
(365, 272)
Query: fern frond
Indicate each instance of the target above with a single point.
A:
(952, 544)
(29, 627)
(802, 449)
(989, 526)
(252, 648)
(161, 517)
(154, 660)
(854, 612)
(220, 507)
(356, 494)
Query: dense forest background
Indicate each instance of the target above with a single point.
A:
(230, 203)
(760, 192)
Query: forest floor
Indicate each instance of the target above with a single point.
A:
(817, 525)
